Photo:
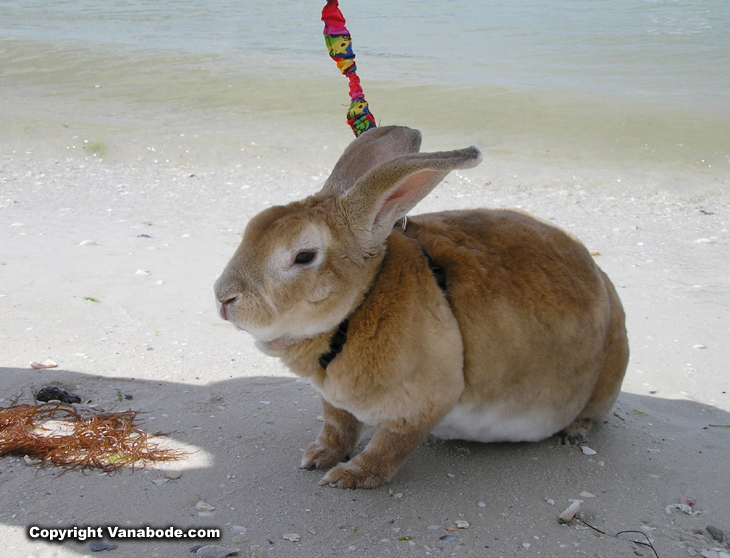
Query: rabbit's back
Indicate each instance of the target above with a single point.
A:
(542, 327)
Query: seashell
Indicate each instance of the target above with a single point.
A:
(684, 508)
(204, 506)
(570, 512)
(48, 363)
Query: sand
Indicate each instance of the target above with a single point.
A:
(145, 238)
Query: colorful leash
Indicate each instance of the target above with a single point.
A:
(339, 44)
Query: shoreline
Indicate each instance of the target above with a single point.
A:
(188, 111)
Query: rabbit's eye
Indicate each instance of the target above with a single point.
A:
(304, 257)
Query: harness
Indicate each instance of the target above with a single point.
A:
(337, 342)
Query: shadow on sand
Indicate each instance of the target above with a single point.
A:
(249, 434)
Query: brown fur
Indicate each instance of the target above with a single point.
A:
(528, 339)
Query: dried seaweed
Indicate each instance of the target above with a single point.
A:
(58, 435)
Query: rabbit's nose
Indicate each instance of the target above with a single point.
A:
(223, 306)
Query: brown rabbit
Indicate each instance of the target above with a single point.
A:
(483, 325)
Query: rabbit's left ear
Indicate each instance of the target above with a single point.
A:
(390, 190)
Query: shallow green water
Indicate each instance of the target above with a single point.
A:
(203, 105)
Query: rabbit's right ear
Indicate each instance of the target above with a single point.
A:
(370, 149)
(389, 191)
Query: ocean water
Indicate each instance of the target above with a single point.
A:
(615, 82)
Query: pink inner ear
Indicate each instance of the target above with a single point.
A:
(405, 193)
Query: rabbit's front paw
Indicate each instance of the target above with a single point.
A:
(355, 474)
(319, 456)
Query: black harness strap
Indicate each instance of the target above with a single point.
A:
(336, 344)
(340, 336)
(438, 272)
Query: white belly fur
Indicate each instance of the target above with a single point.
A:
(493, 425)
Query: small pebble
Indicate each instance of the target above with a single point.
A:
(588, 451)
(99, 546)
(450, 475)
(142, 272)
(293, 537)
(585, 494)
(698, 347)
(526, 545)
(160, 482)
(52, 393)
(481, 504)
(87, 243)
(447, 538)
(716, 533)
(434, 527)
(215, 551)
(461, 524)
(173, 475)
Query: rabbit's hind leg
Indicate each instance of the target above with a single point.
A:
(576, 433)
(607, 388)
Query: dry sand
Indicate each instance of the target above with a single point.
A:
(161, 233)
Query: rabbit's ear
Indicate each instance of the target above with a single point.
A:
(389, 191)
(372, 148)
